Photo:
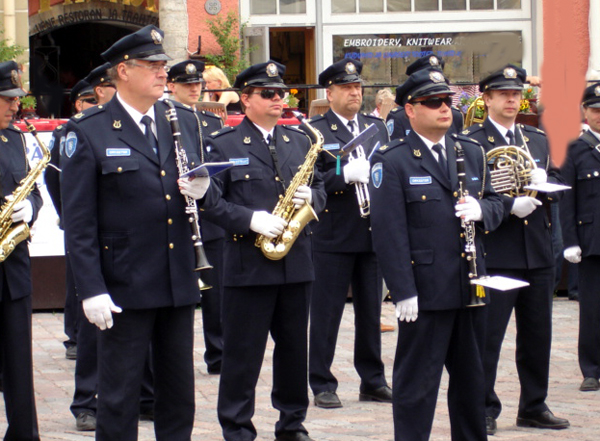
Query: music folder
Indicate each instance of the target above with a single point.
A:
(363, 136)
(547, 187)
(500, 283)
(209, 169)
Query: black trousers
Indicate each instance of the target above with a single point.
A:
(437, 339)
(17, 367)
(533, 314)
(249, 315)
(334, 274)
(122, 352)
(72, 315)
(211, 305)
(589, 316)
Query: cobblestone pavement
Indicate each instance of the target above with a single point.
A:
(356, 420)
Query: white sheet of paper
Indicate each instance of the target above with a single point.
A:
(547, 187)
(500, 282)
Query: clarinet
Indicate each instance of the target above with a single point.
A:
(191, 208)
(477, 291)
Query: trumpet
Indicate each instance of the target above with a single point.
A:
(362, 190)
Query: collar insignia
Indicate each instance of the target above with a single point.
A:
(417, 153)
(334, 127)
(350, 68)
(79, 115)
(247, 140)
(156, 36)
(272, 70)
(286, 139)
(490, 138)
(190, 69)
(204, 124)
(525, 138)
(116, 124)
(3, 138)
(509, 72)
(465, 132)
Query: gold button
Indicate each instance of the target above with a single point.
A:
(589, 176)
(487, 232)
(455, 194)
(526, 223)
(424, 197)
(326, 210)
(277, 178)
(170, 221)
(120, 169)
(163, 173)
(596, 173)
(168, 197)
(462, 254)
(241, 235)
(580, 222)
(462, 235)
(105, 247)
(171, 246)
(412, 262)
(247, 176)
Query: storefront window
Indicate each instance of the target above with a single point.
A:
(398, 5)
(371, 6)
(509, 4)
(426, 5)
(482, 4)
(270, 6)
(292, 6)
(263, 6)
(342, 6)
(454, 5)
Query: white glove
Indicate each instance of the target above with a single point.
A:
(408, 309)
(538, 176)
(266, 224)
(357, 170)
(23, 212)
(99, 309)
(194, 187)
(469, 209)
(573, 254)
(302, 196)
(523, 206)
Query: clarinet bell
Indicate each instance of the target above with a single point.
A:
(203, 286)
(477, 296)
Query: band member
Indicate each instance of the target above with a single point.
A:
(260, 295)
(185, 85)
(581, 171)
(415, 219)
(343, 251)
(103, 87)
(128, 237)
(15, 271)
(397, 121)
(520, 248)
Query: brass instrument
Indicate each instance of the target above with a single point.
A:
(477, 291)
(191, 209)
(477, 106)
(278, 247)
(11, 235)
(362, 190)
(510, 170)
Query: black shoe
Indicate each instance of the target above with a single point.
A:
(214, 370)
(71, 353)
(86, 422)
(544, 420)
(589, 384)
(381, 395)
(293, 436)
(327, 400)
(490, 425)
(574, 296)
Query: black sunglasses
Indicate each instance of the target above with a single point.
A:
(269, 94)
(435, 103)
(89, 100)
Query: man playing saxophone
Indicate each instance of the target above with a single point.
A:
(15, 271)
(344, 254)
(261, 295)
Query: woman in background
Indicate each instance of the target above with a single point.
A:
(216, 80)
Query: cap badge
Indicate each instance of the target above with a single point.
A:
(436, 77)
(509, 72)
(190, 69)
(350, 68)
(272, 70)
(597, 90)
(15, 78)
(156, 37)
(433, 60)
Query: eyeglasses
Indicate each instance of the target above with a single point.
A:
(269, 94)
(89, 101)
(11, 100)
(111, 85)
(435, 102)
(154, 68)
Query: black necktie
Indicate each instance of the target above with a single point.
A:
(147, 121)
(351, 127)
(441, 158)
(511, 137)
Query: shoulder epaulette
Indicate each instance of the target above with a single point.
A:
(14, 128)
(392, 145)
(531, 129)
(222, 131)
(395, 109)
(462, 137)
(292, 128)
(209, 114)
(316, 118)
(87, 113)
(472, 129)
(368, 115)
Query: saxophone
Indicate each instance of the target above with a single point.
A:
(11, 235)
(278, 247)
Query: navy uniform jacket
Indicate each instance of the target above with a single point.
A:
(399, 125)
(13, 168)
(209, 123)
(52, 175)
(580, 207)
(416, 235)
(340, 227)
(125, 222)
(251, 186)
(521, 243)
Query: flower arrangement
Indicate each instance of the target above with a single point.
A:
(465, 101)
(524, 108)
(291, 99)
(28, 102)
(530, 93)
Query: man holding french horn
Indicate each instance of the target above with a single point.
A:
(344, 254)
(520, 248)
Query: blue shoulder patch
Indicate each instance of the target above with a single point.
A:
(377, 174)
(70, 144)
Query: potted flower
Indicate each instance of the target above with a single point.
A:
(529, 101)
(28, 105)
(291, 103)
